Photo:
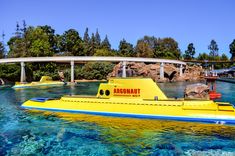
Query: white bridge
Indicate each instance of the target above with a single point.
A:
(73, 59)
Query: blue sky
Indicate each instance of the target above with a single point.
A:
(196, 21)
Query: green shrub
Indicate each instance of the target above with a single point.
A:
(10, 72)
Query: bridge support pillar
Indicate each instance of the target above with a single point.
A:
(124, 69)
(161, 70)
(181, 70)
(72, 71)
(22, 75)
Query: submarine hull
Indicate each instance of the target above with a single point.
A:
(181, 110)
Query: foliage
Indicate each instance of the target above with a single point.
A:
(213, 47)
(97, 39)
(126, 49)
(224, 57)
(86, 37)
(52, 38)
(29, 41)
(232, 49)
(71, 42)
(190, 52)
(105, 43)
(167, 48)
(157, 47)
(104, 52)
(92, 46)
(34, 42)
(203, 56)
(16, 47)
(48, 69)
(2, 50)
(10, 72)
(144, 48)
(94, 70)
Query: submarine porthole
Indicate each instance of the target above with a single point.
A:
(107, 92)
(101, 92)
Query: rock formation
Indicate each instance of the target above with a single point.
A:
(197, 91)
(171, 72)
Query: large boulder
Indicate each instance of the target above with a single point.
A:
(196, 91)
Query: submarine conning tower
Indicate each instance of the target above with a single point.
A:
(138, 88)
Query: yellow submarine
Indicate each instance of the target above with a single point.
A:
(44, 81)
(138, 98)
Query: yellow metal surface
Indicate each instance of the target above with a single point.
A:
(44, 81)
(131, 88)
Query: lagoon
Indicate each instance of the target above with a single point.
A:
(36, 133)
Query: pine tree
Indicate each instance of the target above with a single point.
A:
(71, 43)
(97, 38)
(24, 27)
(126, 49)
(190, 52)
(232, 49)
(86, 37)
(213, 47)
(17, 33)
(2, 50)
(105, 43)
(92, 45)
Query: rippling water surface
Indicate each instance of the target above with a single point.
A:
(37, 133)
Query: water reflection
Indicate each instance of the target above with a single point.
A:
(44, 133)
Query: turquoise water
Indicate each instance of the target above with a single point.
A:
(37, 133)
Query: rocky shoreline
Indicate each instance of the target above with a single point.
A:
(171, 72)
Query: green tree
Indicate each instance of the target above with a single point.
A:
(213, 47)
(203, 56)
(167, 48)
(71, 42)
(190, 52)
(104, 52)
(143, 49)
(50, 32)
(126, 49)
(2, 50)
(34, 42)
(24, 27)
(16, 47)
(105, 43)
(98, 70)
(86, 37)
(39, 42)
(224, 57)
(232, 50)
(97, 38)
(92, 45)
(16, 44)
(86, 43)
(17, 33)
(10, 72)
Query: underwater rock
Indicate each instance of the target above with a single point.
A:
(196, 91)
(29, 146)
(167, 146)
(209, 153)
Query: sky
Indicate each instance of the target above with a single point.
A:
(187, 21)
